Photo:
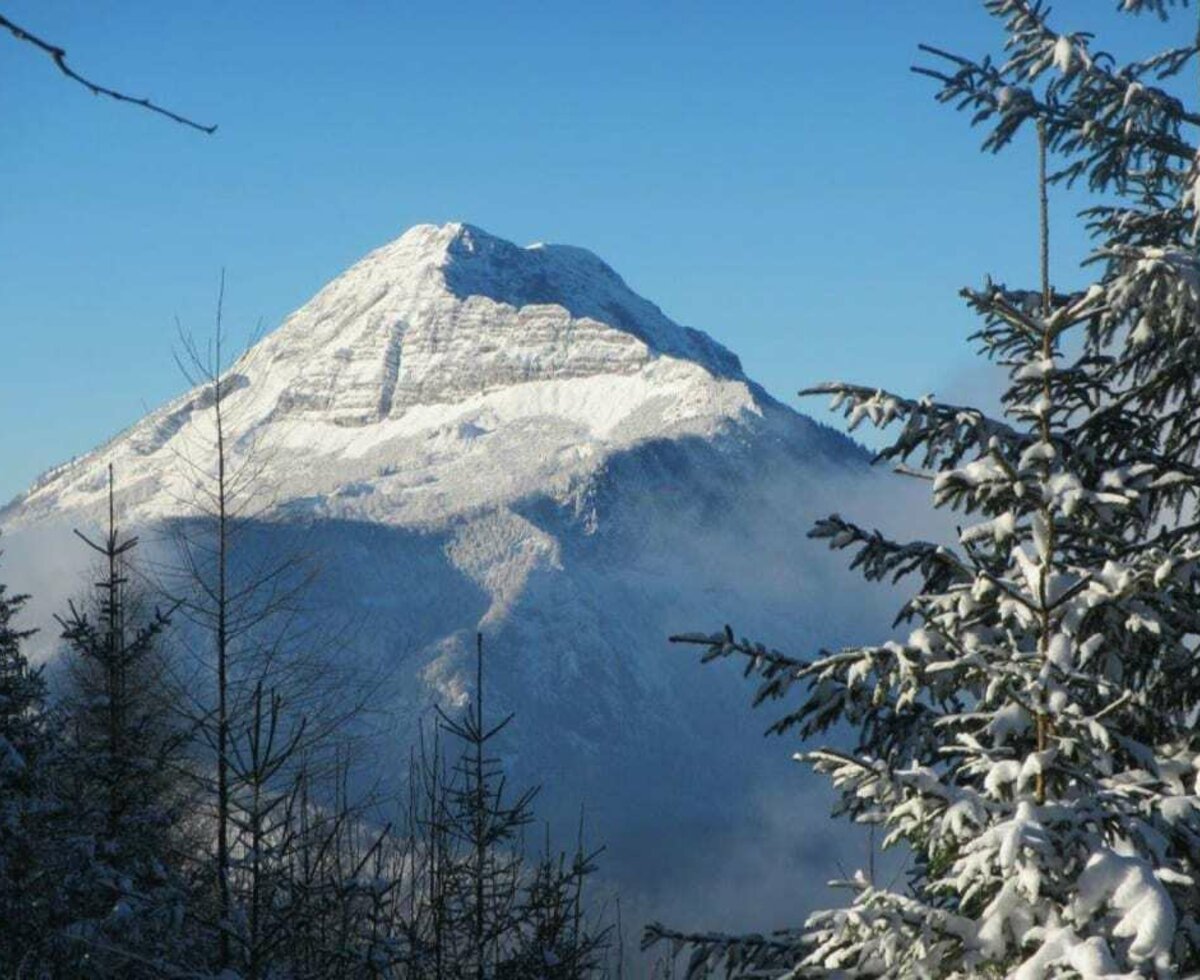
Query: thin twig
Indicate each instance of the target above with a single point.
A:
(59, 57)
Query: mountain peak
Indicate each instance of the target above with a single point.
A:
(446, 345)
(433, 241)
(449, 311)
(475, 263)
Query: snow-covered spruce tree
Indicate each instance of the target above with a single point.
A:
(1032, 737)
(117, 780)
(26, 896)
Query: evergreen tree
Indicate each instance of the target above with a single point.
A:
(26, 896)
(471, 902)
(117, 779)
(557, 938)
(1031, 738)
(487, 824)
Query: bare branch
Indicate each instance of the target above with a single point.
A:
(59, 57)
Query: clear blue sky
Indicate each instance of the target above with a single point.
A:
(770, 172)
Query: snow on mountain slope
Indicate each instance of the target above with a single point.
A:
(482, 436)
(436, 352)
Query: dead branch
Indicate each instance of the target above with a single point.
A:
(59, 57)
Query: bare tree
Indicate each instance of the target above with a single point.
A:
(268, 698)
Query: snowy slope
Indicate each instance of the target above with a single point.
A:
(483, 436)
(445, 351)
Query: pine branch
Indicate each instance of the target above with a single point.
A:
(743, 957)
(946, 433)
(880, 558)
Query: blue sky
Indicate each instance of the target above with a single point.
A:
(770, 172)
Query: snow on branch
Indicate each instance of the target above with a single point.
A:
(1115, 123)
(880, 558)
(777, 670)
(1032, 741)
(946, 433)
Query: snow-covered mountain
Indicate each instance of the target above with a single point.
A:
(482, 436)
